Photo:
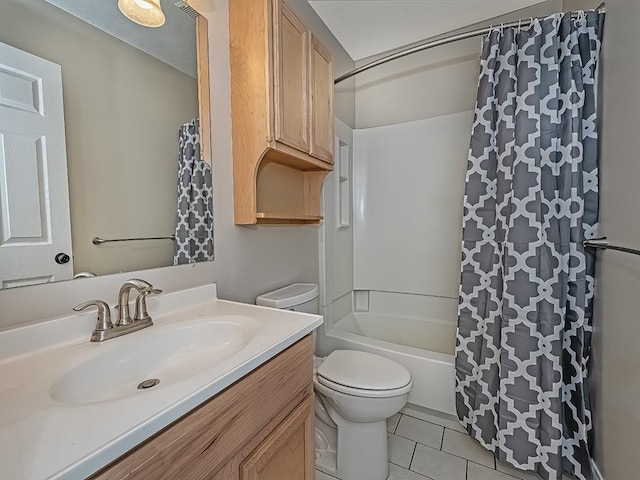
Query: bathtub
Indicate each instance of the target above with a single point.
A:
(424, 346)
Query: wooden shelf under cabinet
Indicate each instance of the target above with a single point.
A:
(286, 194)
(276, 218)
(282, 114)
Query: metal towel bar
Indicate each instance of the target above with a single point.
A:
(603, 244)
(100, 241)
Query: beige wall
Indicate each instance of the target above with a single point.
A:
(596, 362)
(436, 82)
(249, 260)
(253, 260)
(575, 5)
(424, 85)
(123, 109)
(618, 280)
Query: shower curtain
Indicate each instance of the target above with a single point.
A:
(194, 225)
(525, 306)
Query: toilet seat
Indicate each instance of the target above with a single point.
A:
(363, 374)
(360, 392)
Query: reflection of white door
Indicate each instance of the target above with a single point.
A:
(34, 198)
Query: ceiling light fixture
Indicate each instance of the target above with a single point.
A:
(147, 13)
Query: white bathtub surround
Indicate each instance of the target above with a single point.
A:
(404, 176)
(406, 257)
(336, 238)
(434, 335)
(338, 309)
(336, 233)
(70, 432)
(432, 371)
(415, 305)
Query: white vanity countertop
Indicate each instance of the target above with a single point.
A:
(42, 437)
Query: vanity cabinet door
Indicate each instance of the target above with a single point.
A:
(291, 78)
(288, 452)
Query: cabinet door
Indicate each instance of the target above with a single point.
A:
(289, 452)
(321, 73)
(291, 85)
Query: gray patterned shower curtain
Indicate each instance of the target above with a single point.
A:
(194, 225)
(525, 307)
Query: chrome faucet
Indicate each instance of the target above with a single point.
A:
(123, 298)
(105, 329)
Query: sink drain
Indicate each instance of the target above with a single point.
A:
(152, 382)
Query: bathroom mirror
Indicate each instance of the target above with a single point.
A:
(90, 109)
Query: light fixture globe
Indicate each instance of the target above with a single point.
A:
(147, 13)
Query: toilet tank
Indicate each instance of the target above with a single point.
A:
(299, 297)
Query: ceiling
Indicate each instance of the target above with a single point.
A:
(368, 27)
(174, 43)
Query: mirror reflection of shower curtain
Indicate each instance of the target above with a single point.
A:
(527, 286)
(194, 226)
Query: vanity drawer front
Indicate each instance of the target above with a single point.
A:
(200, 443)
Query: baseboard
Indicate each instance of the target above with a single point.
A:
(596, 471)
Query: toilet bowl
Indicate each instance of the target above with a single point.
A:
(356, 392)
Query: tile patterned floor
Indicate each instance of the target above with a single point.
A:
(432, 446)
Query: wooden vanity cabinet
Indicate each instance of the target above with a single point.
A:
(281, 112)
(260, 428)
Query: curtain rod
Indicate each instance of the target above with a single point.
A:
(427, 44)
(603, 244)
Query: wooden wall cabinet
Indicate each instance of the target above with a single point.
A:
(260, 428)
(282, 114)
(321, 89)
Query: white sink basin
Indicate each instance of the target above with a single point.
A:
(167, 354)
(55, 384)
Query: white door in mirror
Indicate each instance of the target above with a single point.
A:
(35, 225)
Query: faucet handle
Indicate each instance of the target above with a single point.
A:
(141, 304)
(104, 313)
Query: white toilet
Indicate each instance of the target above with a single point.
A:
(355, 394)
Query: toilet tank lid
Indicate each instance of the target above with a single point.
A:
(289, 296)
(363, 370)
